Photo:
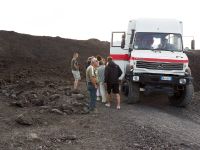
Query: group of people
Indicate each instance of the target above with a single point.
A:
(102, 79)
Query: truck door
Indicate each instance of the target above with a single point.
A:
(120, 56)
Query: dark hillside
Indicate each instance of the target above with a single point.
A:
(24, 55)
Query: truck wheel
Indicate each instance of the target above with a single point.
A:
(124, 88)
(184, 97)
(134, 93)
(125, 84)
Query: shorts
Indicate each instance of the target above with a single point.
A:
(114, 88)
(76, 75)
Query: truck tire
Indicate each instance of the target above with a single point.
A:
(124, 88)
(184, 97)
(134, 93)
(125, 84)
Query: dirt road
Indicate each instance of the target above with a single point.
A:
(152, 124)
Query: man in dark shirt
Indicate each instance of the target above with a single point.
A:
(112, 74)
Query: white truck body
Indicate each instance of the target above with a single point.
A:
(152, 48)
(120, 56)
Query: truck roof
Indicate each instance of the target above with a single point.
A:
(156, 25)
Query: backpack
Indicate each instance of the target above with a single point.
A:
(112, 73)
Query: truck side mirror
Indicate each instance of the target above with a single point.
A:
(186, 49)
(193, 44)
(123, 41)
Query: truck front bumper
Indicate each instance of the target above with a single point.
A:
(160, 79)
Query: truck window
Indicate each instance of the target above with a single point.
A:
(117, 39)
(158, 41)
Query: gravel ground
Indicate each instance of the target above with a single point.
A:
(152, 124)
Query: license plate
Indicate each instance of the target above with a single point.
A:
(166, 78)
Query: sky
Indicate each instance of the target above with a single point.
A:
(85, 19)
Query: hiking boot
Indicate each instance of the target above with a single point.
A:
(107, 104)
(118, 107)
(75, 91)
(98, 98)
(94, 111)
(103, 101)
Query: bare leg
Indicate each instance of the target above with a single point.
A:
(108, 100)
(75, 84)
(102, 91)
(118, 100)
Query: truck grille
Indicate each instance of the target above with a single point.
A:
(159, 66)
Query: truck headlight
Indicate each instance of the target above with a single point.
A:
(184, 65)
(182, 81)
(131, 68)
(188, 71)
(136, 78)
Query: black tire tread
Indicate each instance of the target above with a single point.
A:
(185, 99)
(134, 93)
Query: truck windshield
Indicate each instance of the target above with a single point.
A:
(158, 41)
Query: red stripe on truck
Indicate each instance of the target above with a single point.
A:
(120, 56)
(126, 57)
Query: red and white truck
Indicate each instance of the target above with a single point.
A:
(152, 59)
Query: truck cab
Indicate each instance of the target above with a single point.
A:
(151, 56)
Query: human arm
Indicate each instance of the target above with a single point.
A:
(106, 75)
(93, 77)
